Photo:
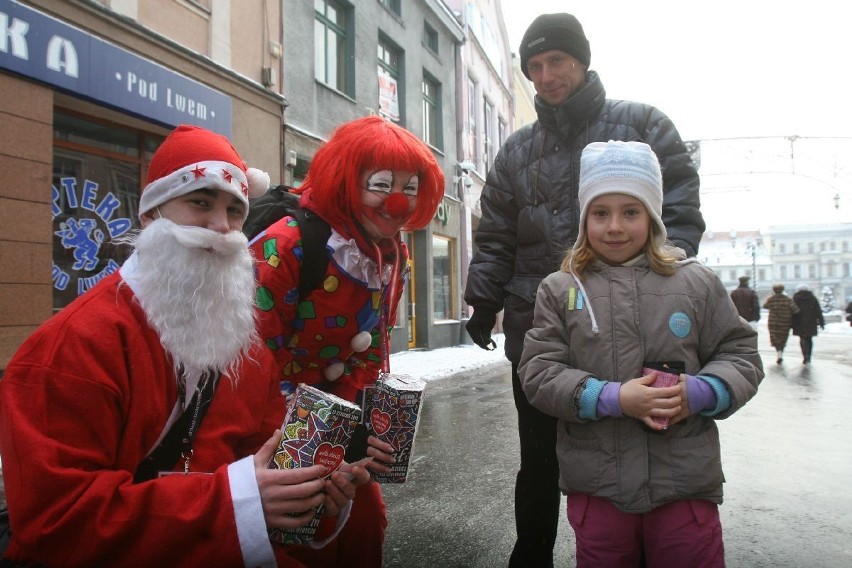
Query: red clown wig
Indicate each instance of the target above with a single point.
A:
(370, 144)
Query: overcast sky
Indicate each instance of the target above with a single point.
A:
(719, 69)
(730, 69)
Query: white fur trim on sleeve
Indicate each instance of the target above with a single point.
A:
(248, 513)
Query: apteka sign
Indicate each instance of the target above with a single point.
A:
(82, 233)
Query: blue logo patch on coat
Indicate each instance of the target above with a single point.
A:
(680, 324)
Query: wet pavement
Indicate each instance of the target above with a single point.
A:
(787, 457)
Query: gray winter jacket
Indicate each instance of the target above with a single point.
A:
(530, 209)
(643, 317)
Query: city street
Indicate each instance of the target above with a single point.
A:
(787, 457)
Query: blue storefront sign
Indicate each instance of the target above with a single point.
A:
(48, 50)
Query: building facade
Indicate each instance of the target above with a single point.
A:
(819, 256)
(344, 60)
(486, 110)
(90, 88)
(87, 92)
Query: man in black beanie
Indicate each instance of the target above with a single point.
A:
(530, 216)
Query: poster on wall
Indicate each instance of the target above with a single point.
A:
(388, 96)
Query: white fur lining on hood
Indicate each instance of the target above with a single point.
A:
(352, 260)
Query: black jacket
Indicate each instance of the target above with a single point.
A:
(530, 209)
(810, 314)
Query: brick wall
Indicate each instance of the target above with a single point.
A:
(26, 231)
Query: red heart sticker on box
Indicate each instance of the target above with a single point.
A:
(329, 456)
(381, 421)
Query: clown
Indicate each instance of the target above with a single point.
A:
(369, 182)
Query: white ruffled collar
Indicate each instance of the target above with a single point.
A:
(352, 260)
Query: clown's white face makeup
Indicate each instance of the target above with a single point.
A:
(389, 198)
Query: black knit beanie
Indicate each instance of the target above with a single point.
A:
(555, 31)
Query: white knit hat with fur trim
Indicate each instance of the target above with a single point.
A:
(192, 158)
(630, 168)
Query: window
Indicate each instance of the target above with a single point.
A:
(502, 129)
(732, 275)
(394, 6)
(762, 274)
(442, 278)
(810, 248)
(783, 273)
(812, 271)
(797, 271)
(782, 248)
(430, 38)
(432, 133)
(847, 269)
(488, 134)
(300, 172)
(391, 99)
(473, 148)
(332, 46)
(795, 248)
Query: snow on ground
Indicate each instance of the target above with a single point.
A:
(441, 363)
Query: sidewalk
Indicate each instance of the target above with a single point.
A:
(460, 361)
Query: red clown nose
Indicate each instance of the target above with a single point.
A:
(397, 205)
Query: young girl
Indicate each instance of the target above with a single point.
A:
(370, 181)
(624, 301)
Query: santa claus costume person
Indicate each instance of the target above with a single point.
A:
(94, 390)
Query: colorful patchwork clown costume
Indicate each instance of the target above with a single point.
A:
(369, 182)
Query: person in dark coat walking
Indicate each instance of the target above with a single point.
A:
(746, 301)
(805, 322)
(530, 217)
(781, 309)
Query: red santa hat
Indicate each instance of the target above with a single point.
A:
(192, 158)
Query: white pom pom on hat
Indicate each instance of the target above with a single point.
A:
(630, 168)
(192, 158)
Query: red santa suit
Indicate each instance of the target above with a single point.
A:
(82, 402)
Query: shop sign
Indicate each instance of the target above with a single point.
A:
(43, 48)
(92, 221)
(443, 213)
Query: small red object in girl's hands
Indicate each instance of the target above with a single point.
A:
(664, 379)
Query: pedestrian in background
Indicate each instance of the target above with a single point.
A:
(807, 319)
(781, 309)
(166, 344)
(530, 217)
(370, 181)
(639, 493)
(746, 301)
(849, 312)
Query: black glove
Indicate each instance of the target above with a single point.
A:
(479, 327)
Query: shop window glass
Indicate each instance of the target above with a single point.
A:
(442, 278)
(96, 180)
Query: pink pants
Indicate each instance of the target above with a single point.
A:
(682, 533)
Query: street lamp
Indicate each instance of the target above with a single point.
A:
(752, 246)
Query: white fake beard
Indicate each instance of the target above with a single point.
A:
(197, 289)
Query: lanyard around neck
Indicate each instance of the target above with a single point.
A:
(388, 296)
